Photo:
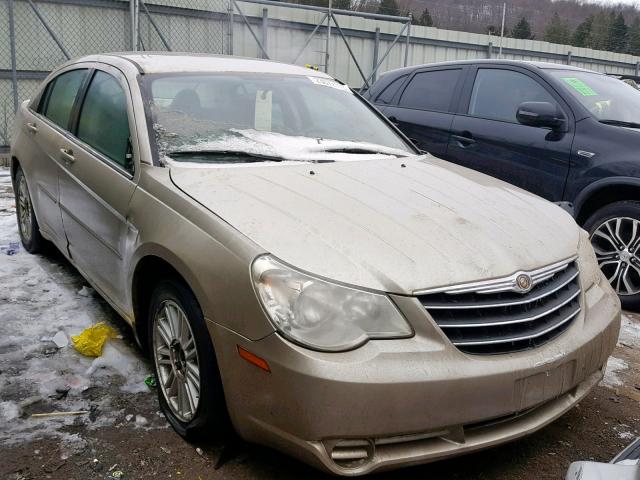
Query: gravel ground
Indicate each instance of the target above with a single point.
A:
(125, 436)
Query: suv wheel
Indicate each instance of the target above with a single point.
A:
(189, 385)
(28, 228)
(615, 235)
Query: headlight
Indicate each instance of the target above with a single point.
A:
(587, 262)
(323, 315)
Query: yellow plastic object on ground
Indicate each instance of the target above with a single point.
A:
(92, 339)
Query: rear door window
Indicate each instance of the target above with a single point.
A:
(498, 93)
(432, 90)
(103, 122)
(60, 96)
(389, 92)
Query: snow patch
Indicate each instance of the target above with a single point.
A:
(9, 410)
(629, 332)
(120, 361)
(85, 291)
(41, 307)
(611, 374)
(292, 149)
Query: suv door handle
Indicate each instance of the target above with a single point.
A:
(32, 127)
(67, 155)
(394, 120)
(465, 140)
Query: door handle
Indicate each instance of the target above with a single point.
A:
(67, 155)
(465, 140)
(32, 127)
(394, 120)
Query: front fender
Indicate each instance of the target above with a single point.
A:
(600, 185)
(213, 259)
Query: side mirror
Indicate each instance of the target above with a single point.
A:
(540, 114)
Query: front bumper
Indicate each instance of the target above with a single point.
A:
(402, 402)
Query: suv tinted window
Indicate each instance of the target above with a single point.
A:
(103, 122)
(431, 90)
(498, 93)
(61, 94)
(387, 94)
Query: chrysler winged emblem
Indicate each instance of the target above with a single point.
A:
(523, 282)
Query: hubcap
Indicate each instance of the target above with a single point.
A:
(616, 243)
(24, 210)
(176, 359)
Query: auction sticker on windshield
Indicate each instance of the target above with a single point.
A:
(580, 87)
(326, 82)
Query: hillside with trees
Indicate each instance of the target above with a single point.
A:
(576, 22)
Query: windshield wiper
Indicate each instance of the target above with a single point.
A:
(620, 123)
(361, 151)
(231, 156)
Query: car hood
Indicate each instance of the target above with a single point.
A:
(393, 225)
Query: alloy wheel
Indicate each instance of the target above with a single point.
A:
(616, 242)
(24, 210)
(176, 359)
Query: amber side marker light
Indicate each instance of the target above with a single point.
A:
(254, 359)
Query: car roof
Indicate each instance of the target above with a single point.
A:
(520, 63)
(165, 62)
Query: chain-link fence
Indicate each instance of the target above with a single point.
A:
(35, 36)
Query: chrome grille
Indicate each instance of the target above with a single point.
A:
(494, 317)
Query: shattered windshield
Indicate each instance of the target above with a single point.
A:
(609, 99)
(245, 118)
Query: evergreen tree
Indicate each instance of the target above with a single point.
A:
(425, 19)
(522, 29)
(557, 31)
(582, 36)
(389, 7)
(633, 38)
(618, 33)
(600, 38)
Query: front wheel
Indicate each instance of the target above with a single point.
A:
(189, 385)
(615, 235)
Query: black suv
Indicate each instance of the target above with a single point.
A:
(567, 134)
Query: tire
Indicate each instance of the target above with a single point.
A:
(28, 228)
(194, 414)
(615, 235)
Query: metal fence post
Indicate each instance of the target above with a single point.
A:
(569, 55)
(12, 42)
(248, 25)
(265, 30)
(490, 50)
(376, 52)
(395, 40)
(230, 11)
(139, 42)
(326, 53)
(408, 39)
(134, 25)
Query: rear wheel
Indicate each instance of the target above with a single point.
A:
(28, 228)
(615, 235)
(189, 385)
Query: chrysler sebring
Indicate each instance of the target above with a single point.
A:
(298, 271)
